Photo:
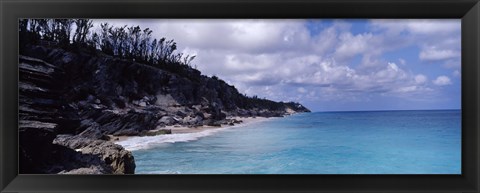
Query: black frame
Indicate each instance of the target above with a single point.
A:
(468, 10)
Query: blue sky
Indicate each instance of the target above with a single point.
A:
(327, 65)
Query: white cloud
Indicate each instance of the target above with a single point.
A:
(407, 89)
(432, 26)
(391, 73)
(417, 26)
(437, 39)
(420, 79)
(453, 63)
(442, 81)
(434, 53)
(350, 45)
(301, 90)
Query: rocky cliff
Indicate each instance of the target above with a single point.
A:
(44, 114)
(71, 101)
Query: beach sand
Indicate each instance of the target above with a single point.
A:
(176, 129)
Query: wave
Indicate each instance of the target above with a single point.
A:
(160, 172)
(148, 142)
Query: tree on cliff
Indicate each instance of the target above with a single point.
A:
(57, 30)
(124, 42)
(82, 30)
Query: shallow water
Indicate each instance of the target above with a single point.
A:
(380, 142)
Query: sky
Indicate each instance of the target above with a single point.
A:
(326, 65)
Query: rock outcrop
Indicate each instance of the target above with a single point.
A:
(117, 159)
(44, 114)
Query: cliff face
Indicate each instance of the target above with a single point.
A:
(44, 114)
(69, 97)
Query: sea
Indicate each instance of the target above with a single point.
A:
(360, 142)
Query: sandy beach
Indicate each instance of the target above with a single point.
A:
(179, 129)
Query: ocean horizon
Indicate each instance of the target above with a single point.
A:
(333, 142)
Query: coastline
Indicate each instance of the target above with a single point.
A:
(101, 95)
(181, 129)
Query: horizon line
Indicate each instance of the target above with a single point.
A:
(380, 110)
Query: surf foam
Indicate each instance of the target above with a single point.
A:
(148, 142)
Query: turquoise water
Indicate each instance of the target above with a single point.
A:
(380, 142)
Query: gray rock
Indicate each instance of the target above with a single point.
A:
(167, 120)
(120, 160)
(181, 114)
(192, 120)
(90, 98)
(207, 115)
(90, 170)
(93, 132)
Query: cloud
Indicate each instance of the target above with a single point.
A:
(420, 79)
(434, 53)
(437, 39)
(442, 81)
(425, 27)
(428, 27)
(407, 89)
(301, 90)
(350, 45)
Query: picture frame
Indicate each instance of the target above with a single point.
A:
(467, 10)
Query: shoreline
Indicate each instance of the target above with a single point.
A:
(180, 129)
